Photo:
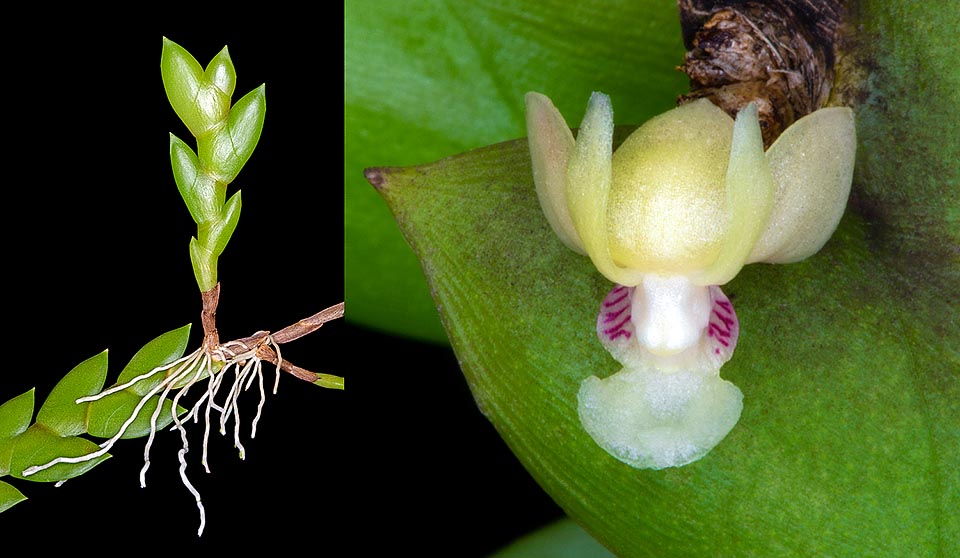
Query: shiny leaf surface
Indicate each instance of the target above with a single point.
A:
(60, 412)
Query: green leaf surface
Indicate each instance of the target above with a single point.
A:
(198, 190)
(423, 83)
(329, 381)
(15, 414)
(216, 234)
(15, 417)
(39, 445)
(221, 73)
(9, 497)
(905, 82)
(161, 350)
(199, 102)
(224, 152)
(60, 412)
(204, 264)
(563, 539)
(848, 442)
(108, 414)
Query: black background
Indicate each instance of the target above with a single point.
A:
(96, 257)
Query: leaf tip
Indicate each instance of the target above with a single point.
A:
(329, 381)
(375, 176)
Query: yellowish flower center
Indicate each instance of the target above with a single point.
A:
(666, 211)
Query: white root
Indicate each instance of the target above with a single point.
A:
(191, 368)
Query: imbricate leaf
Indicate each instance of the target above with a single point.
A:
(39, 445)
(60, 412)
(9, 497)
(108, 414)
(15, 414)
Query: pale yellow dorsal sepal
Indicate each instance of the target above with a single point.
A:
(749, 197)
(812, 167)
(551, 144)
(589, 176)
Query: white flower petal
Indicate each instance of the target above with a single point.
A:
(588, 187)
(551, 144)
(749, 192)
(812, 166)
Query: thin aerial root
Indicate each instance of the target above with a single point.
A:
(144, 376)
(247, 366)
(250, 377)
(204, 364)
(186, 482)
(263, 398)
(236, 408)
(238, 357)
(211, 392)
(194, 411)
(276, 347)
(104, 447)
(169, 382)
(229, 404)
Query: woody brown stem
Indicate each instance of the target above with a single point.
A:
(308, 325)
(208, 318)
(260, 341)
(779, 54)
(266, 353)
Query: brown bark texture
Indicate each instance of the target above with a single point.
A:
(778, 54)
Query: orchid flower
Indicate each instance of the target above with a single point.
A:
(681, 206)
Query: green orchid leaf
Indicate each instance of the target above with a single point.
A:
(161, 350)
(329, 381)
(199, 102)
(15, 414)
(218, 232)
(424, 83)
(108, 414)
(204, 264)
(850, 423)
(39, 445)
(562, 539)
(906, 85)
(60, 412)
(224, 152)
(202, 194)
(9, 497)
(15, 417)
(221, 73)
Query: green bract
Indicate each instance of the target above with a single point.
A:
(226, 137)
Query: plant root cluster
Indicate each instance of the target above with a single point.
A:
(236, 364)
